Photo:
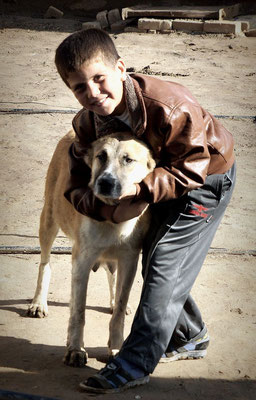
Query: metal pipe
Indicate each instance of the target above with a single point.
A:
(68, 250)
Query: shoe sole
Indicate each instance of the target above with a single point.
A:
(128, 385)
(188, 355)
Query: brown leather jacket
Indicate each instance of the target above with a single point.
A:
(187, 140)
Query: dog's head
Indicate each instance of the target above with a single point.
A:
(117, 161)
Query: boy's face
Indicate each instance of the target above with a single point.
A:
(99, 87)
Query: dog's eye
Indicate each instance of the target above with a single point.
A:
(102, 156)
(128, 160)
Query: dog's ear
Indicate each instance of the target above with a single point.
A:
(88, 157)
(151, 162)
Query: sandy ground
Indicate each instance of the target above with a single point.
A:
(220, 71)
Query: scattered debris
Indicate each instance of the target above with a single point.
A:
(146, 19)
(212, 19)
(148, 71)
(236, 310)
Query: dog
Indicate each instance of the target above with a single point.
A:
(116, 161)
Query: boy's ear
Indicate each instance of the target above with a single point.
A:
(122, 68)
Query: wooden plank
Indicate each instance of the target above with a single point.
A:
(172, 12)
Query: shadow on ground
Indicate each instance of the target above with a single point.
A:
(5, 306)
(42, 371)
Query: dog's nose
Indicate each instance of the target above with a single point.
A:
(108, 186)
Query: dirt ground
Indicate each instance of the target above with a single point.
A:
(221, 72)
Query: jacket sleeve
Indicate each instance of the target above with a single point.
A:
(184, 158)
(183, 165)
(78, 193)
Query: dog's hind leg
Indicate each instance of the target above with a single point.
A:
(125, 276)
(110, 268)
(47, 233)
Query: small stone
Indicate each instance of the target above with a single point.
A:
(92, 24)
(101, 17)
(114, 16)
(53, 12)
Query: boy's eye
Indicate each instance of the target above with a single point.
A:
(98, 78)
(79, 88)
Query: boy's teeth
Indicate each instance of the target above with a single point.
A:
(100, 101)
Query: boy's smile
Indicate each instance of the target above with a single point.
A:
(99, 87)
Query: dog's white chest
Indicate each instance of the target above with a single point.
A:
(105, 234)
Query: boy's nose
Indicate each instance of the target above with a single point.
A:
(93, 90)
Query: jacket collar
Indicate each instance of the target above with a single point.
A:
(105, 125)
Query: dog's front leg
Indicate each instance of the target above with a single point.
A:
(76, 355)
(126, 271)
(38, 308)
(47, 233)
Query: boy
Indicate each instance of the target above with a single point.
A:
(188, 192)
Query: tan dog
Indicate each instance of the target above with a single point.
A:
(116, 162)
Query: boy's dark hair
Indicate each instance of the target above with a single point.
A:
(81, 46)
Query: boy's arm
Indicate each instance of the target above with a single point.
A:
(185, 158)
(183, 166)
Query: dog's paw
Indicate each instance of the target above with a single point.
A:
(37, 310)
(76, 358)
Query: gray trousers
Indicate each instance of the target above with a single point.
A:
(178, 241)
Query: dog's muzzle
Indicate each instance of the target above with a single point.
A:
(108, 186)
